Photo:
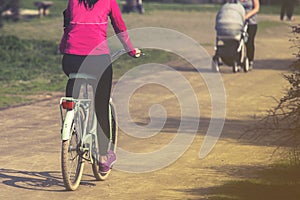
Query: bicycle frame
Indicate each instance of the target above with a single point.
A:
(68, 125)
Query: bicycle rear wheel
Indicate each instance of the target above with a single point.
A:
(72, 163)
(112, 145)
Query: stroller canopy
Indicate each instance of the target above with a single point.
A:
(230, 20)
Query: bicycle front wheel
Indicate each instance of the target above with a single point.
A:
(72, 163)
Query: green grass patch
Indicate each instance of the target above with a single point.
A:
(125, 63)
(45, 28)
(275, 10)
(59, 6)
(19, 92)
(27, 67)
(266, 24)
(7, 101)
(30, 66)
(264, 9)
(182, 7)
(27, 59)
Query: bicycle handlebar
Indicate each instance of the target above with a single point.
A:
(120, 52)
(117, 54)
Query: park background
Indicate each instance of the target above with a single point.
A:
(30, 72)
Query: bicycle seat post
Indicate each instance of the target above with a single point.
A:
(85, 78)
(85, 93)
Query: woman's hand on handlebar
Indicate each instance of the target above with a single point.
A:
(138, 53)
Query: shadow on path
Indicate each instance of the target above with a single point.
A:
(274, 183)
(274, 64)
(248, 132)
(50, 181)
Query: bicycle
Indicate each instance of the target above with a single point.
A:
(79, 134)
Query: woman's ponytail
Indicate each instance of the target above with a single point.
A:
(88, 3)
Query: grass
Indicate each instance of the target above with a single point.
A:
(264, 9)
(124, 63)
(28, 66)
(265, 25)
(31, 66)
(182, 7)
(26, 59)
(59, 6)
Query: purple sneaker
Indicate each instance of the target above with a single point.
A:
(106, 166)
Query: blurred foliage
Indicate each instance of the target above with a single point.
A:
(13, 6)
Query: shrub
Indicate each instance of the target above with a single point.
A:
(285, 117)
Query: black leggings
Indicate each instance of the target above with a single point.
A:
(252, 29)
(99, 66)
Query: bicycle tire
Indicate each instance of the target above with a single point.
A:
(113, 146)
(246, 65)
(72, 163)
(235, 67)
(215, 64)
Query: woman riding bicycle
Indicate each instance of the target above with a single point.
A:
(85, 48)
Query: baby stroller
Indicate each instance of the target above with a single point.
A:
(231, 30)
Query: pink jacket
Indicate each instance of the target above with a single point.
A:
(86, 31)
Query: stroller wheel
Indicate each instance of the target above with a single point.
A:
(246, 65)
(215, 64)
(235, 67)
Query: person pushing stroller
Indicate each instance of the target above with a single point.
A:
(236, 29)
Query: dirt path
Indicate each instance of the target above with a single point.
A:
(30, 138)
